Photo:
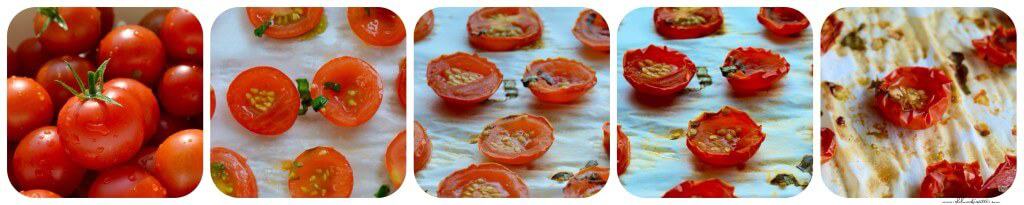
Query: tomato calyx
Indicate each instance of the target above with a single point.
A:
(94, 88)
(52, 16)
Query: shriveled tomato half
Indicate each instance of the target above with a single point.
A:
(182, 34)
(284, 22)
(102, 126)
(126, 181)
(29, 107)
(657, 70)
(353, 90)
(1002, 179)
(463, 78)
(39, 162)
(707, 188)
(68, 30)
(320, 172)
(179, 162)
(951, 180)
(516, 139)
(483, 180)
(587, 182)
(30, 56)
(394, 160)
(783, 21)
(503, 28)
(422, 147)
(753, 69)
(424, 26)
(1000, 48)
(39, 193)
(829, 32)
(376, 26)
(828, 144)
(728, 137)
(621, 146)
(558, 80)
(687, 23)
(400, 82)
(263, 100)
(147, 100)
(231, 173)
(592, 30)
(56, 70)
(913, 97)
(134, 52)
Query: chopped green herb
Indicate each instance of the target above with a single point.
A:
(562, 176)
(383, 191)
(853, 41)
(333, 86)
(260, 30)
(319, 103)
(806, 164)
(784, 180)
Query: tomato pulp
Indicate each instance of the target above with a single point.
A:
(462, 78)
(516, 139)
(751, 70)
(913, 97)
(592, 30)
(263, 100)
(503, 28)
(353, 90)
(483, 180)
(231, 173)
(558, 80)
(728, 137)
(283, 22)
(657, 70)
(687, 23)
(376, 26)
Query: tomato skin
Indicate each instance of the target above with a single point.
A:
(30, 56)
(668, 84)
(495, 139)
(179, 162)
(83, 32)
(828, 144)
(783, 21)
(768, 68)
(468, 93)
(181, 91)
(1000, 48)
(39, 162)
(99, 135)
(933, 82)
(309, 20)
(376, 26)
(400, 82)
(422, 147)
(182, 35)
(663, 16)
(510, 184)
(587, 182)
(1001, 180)
(146, 158)
(133, 52)
(527, 20)
(12, 63)
(708, 188)
(57, 70)
(276, 119)
(154, 20)
(577, 77)
(32, 107)
(591, 30)
(621, 146)
(106, 19)
(829, 32)
(148, 102)
(348, 107)
(709, 125)
(394, 160)
(951, 180)
(424, 26)
(235, 175)
(126, 181)
(39, 193)
(337, 184)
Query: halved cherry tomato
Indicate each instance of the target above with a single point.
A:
(1000, 48)
(424, 26)
(181, 90)
(263, 100)
(353, 90)
(179, 162)
(686, 23)
(422, 147)
(400, 82)
(57, 70)
(30, 56)
(320, 172)
(394, 160)
(154, 20)
(587, 182)
(828, 144)
(39, 193)
(726, 138)
(558, 80)
(621, 146)
(283, 22)
(951, 180)
(592, 30)
(516, 139)
(503, 28)
(913, 97)
(751, 69)
(148, 101)
(376, 26)
(134, 52)
(483, 180)
(231, 173)
(829, 32)
(126, 181)
(145, 158)
(1001, 180)
(783, 21)
(707, 188)
(463, 78)
(68, 30)
(182, 35)
(29, 107)
(39, 162)
(99, 133)
(657, 70)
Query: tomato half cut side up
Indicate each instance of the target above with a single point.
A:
(828, 144)
(353, 90)
(503, 28)
(687, 23)
(829, 32)
(483, 180)
(708, 188)
(750, 70)
(621, 146)
(463, 78)
(558, 80)
(284, 22)
(657, 70)
(231, 173)
(376, 26)
(424, 26)
(1000, 48)
(422, 149)
(1001, 180)
(263, 100)
(592, 30)
(394, 160)
(951, 180)
(585, 183)
(783, 21)
(728, 137)
(913, 97)
(516, 139)
(320, 172)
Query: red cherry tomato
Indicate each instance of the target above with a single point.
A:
(106, 19)
(783, 21)
(394, 160)
(621, 146)
(30, 56)
(29, 107)
(182, 35)
(376, 26)
(80, 31)
(12, 63)
(516, 139)
(145, 158)
(587, 182)
(467, 183)
(263, 100)
(1002, 179)
(286, 22)
(400, 82)
(592, 30)
(657, 70)
(179, 162)
(913, 97)
(134, 52)
(39, 162)
(181, 91)
(753, 69)
(126, 181)
(945, 179)
(150, 108)
(320, 172)
(708, 188)
(503, 28)
(828, 144)
(39, 193)
(829, 32)
(1000, 48)
(98, 134)
(154, 20)
(424, 26)
(57, 70)
(422, 147)
(358, 93)
(558, 80)
(167, 126)
(232, 174)
(462, 78)
(686, 23)
(728, 137)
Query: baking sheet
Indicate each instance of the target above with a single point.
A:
(893, 164)
(578, 134)
(658, 163)
(236, 49)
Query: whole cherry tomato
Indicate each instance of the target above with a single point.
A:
(147, 100)
(30, 105)
(30, 56)
(154, 20)
(68, 30)
(126, 181)
(179, 162)
(39, 162)
(101, 127)
(134, 52)
(181, 91)
(56, 70)
(182, 35)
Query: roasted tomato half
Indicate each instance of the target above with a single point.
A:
(483, 180)
(913, 97)
(284, 22)
(728, 137)
(503, 28)
(422, 149)
(686, 23)
(353, 90)
(657, 70)
(1000, 48)
(424, 26)
(126, 181)
(829, 32)
(753, 69)
(40, 162)
(516, 139)
(263, 100)
(587, 182)
(592, 30)
(621, 146)
(558, 80)
(394, 160)
(231, 173)
(783, 21)
(828, 144)
(708, 188)
(29, 107)
(463, 78)
(1000, 181)
(951, 180)
(320, 172)
(376, 26)
(68, 30)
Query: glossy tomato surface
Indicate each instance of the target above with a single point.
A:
(181, 91)
(133, 52)
(728, 137)
(657, 70)
(29, 107)
(1001, 179)
(591, 30)
(751, 69)
(687, 23)
(263, 100)
(179, 162)
(285, 22)
(708, 188)
(39, 162)
(154, 20)
(463, 78)
(99, 134)
(126, 181)
(504, 28)
(559, 80)
(353, 89)
(57, 70)
(424, 26)
(1000, 48)
(147, 100)
(913, 97)
(394, 160)
(422, 147)
(951, 180)
(783, 21)
(231, 173)
(30, 56)
(516, 139)
(320, 172)
(376, 26)
(80, 33)
(585, 183)
(182, 35)
(828, 144)
(621, 146)
(483, 180)
(400, 82)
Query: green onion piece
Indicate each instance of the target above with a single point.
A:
(319, 103)
(383, 191)
(262, 28)
(333, 86)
